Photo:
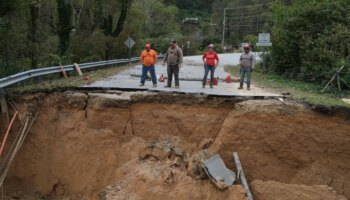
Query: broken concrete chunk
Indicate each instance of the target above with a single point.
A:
(178, 152)
(196, 166)
(160, 153)
(155, 152)
(218, 173)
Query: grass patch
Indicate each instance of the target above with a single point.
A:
(52, 82)
(305, 92)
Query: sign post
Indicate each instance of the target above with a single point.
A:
(188, 47)
(264, 41)
(129, 43)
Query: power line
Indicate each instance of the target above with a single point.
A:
(241, 7)
(241, 25)
(236, 8)
(236, 14)
(245, 17)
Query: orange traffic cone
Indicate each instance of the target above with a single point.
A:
(228, 79)
(161, 78)
(87, 78)
(216, 81)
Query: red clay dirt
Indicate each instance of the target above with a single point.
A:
(143, 145)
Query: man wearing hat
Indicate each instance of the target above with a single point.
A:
(174, 58)
(246, 62)
(148, 60)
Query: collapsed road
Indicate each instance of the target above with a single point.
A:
(144, 145)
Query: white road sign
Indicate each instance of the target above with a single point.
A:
(129, 42)
(264, 40)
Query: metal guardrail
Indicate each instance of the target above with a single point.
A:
(16, 78)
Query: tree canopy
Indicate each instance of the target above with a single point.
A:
(310, 38)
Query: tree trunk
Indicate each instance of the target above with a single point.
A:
(65, 26)
(108, 28)
(33, 35)
(122, 17)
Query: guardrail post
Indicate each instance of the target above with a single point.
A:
(77, 68)
(63, 71)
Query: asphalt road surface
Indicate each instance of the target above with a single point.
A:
(193, 69)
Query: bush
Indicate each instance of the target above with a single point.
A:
(311, 40)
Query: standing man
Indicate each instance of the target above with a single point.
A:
(174, 58)
(246, 62)
(148, 60)
(211, 61)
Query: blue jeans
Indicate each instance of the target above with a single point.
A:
(151, 70)
(245, 71)
(208, 68)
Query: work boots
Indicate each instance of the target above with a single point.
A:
(211, 84)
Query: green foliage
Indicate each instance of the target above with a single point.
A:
(310, 40)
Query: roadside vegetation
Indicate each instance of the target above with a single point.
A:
(310, 41)
(309, 93)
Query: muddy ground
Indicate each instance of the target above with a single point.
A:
(134, 145)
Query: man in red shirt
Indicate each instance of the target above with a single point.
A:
(211, 61)
(148, 60)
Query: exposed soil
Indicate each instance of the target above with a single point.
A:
(135, 145)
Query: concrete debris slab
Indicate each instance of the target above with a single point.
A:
(218, 173)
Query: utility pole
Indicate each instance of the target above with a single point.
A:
(223, 30)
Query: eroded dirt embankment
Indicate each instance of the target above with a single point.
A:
(142, 146)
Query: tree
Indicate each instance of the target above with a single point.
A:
(122, 16)
(33, 33)
(65, 24)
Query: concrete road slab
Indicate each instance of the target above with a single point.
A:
(192, 68)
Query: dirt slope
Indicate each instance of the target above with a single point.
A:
(92, 146)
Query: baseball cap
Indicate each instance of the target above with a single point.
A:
(210, 46)
(246, 46)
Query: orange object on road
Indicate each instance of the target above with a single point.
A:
(7, 132)
(87, 78)
(216, 81)
(161, 78)
(228, 79)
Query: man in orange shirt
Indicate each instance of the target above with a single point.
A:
(148, 60)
